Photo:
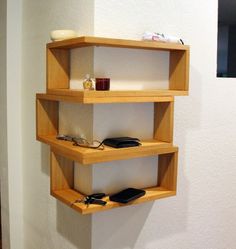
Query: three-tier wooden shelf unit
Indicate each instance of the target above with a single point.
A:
(63, 153)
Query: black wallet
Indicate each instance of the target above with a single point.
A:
(127, 195)
(122, 142)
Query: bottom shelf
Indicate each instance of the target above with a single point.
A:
(62, 183)
(69, 196)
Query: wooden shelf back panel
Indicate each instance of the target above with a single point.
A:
(86, 41)
(46, 117)
(58, 68)
(179, 70)
(167, 171)
(164, 121)
(62, 172)
(90, 156)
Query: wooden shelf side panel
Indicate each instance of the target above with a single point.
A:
(179, 70)
(167, 171)
(58, 68)
(62, 172)
(164, 121)
(46, 117)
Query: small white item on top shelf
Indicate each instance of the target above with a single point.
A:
(154, 36)
(62, 34)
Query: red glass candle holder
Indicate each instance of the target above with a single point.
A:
(102, 84)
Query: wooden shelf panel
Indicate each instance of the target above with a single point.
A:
(85, 41)
(69, 196)
(97, 97)
(63, 153)
(90, 156)
(58, 61)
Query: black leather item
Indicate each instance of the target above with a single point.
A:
(127, 195)
(122, 142)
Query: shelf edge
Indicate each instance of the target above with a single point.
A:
(73, 195)
(84, 41)
(94, 156)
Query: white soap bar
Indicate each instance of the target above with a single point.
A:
(57, 35)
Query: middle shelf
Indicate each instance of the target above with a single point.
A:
(47, 127)
(90, 156)
(97, 97)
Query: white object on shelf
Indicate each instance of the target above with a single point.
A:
(57, 35)
(154, 36)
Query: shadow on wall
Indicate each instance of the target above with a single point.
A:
(123, 229)
(45, 159)
(119, 228)
(74, 227)
(137, 226)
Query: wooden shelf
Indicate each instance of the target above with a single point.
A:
(91, 156)
(58, 62)
(69, 196)
(97, 97)
(86, 41)
(62, 183)
(63, 153)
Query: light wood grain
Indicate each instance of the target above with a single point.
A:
(58, 60)
(58, 68)
(164, 121)
(95, 97)
(90, 95)
(63, 153)
(62, 172)
(167, 170)
(90, 156)
(179, 70)
(69, 196)
(46, 117)
(85, 41)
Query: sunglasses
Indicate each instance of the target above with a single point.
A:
(82, 142)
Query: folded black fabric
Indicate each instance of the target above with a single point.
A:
(122, 142)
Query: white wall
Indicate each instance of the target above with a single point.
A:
(48, 224)
(11, 136)
(202, 214)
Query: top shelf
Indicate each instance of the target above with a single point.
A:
(86, 41)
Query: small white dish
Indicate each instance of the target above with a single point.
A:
(62, 34)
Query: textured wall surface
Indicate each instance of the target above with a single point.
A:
(201, 216)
